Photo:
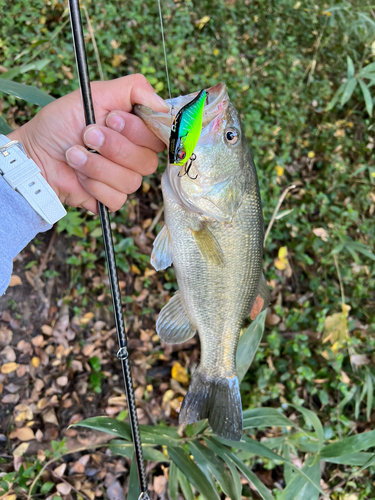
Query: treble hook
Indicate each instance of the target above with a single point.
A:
(192, 158)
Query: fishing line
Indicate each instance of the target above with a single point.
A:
(166, 60)
(84, 80)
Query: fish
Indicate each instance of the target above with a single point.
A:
(213, 234)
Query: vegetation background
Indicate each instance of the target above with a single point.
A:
(302, 75)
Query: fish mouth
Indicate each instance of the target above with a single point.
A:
(160, 123)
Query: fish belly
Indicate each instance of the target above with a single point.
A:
(216, 298)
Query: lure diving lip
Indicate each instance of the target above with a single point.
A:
(186, 130)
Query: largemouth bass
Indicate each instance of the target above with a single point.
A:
(213, 235)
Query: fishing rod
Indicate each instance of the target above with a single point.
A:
(122, 354)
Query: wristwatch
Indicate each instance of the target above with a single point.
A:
(23, 175)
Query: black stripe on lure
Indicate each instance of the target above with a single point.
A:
(185, 132)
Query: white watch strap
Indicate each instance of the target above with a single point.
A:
(23, 175)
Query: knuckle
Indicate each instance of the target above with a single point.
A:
(140, 79)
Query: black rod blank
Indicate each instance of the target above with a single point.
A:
(84, 79)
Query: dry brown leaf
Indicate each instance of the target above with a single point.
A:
(10, 398)
(86, 318)
(38, 340)
(23, 434)
(9, 368)
(59, 471)
(15, 280)
(62, 381)
(63, 488)
(50, 417)
(47, 330)
(6, 336)
(21, 450)
(8, 353)
(321, 233)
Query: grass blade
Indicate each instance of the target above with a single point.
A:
(367, 97)
(312, 418)
(248, 344)
(348, 445)
(197, 478)
(25, 92)
(5, 129)
(210, 463)
(173, 481)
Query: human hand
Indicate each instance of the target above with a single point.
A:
(56, 137)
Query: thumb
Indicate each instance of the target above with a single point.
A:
(123, 93)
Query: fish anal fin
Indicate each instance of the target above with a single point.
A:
(263, 298)
(173, 326)
(218, 400)
(208, 246)
(161, 256)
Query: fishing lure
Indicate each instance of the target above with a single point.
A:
(186, 130)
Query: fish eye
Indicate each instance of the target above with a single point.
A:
(232, 135)
(181, 155)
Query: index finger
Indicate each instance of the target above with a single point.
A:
(123, 93)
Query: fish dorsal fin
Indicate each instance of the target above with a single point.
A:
(208, 246)
(161, 256)
(173, 326)
(263, 298)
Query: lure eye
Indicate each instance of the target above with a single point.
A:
(231, 135)
(181, 155)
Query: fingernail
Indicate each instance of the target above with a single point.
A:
(93, 137)
(81, 176)
(161, 101)
(115, 122)
(76, 157)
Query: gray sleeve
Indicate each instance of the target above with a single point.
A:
(19, 223)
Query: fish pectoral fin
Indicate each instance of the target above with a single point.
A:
(263, 298)
(161, 256)
(173, 326)
(208, 246)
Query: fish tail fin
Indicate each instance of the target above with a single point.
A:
(219, 400)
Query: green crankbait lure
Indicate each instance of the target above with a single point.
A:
(186, 130)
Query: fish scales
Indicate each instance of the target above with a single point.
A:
(213, 234)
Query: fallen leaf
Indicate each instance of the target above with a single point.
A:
(6, 336)
(135, 269)
(9, 368)
(179, 373)
(281, 262)
(159, 484)
(64, 488)
(336, 328)
(59, 471)
(15, 280)
(86, 318)
(35, 362)
(23, 434)
(202, 22)
(47, 330)
(62, 381)
(37, 341)
(8, 353)
(10, 398)
(50, 417)
(21, 450)
(321, 233)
